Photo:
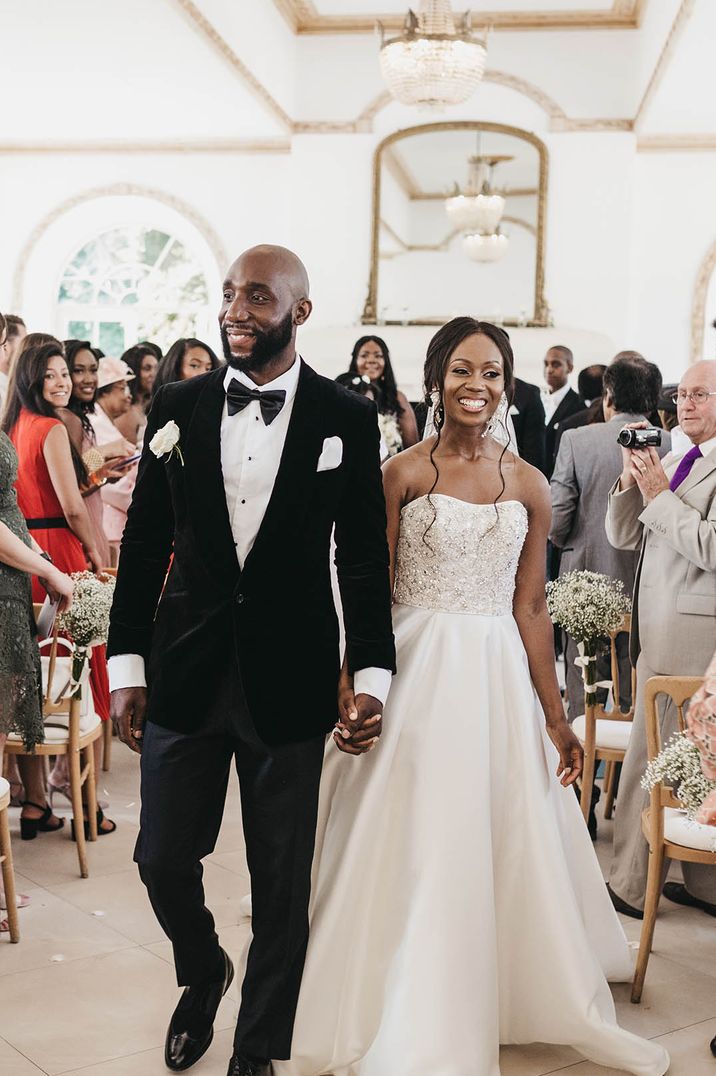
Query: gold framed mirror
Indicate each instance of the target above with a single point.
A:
(458, 225)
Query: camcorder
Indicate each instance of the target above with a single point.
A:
(639, 438)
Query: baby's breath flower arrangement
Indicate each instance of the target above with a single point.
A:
(86, 623)
(588, 605)
(678, 765)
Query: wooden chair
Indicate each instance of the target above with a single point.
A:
(73, 742)
(605, 734)
(8, 874)
(107, 730)
(669, 833)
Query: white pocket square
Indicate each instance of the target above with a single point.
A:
(331, 454)
(514, 410)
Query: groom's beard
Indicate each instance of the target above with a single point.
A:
(267, 344)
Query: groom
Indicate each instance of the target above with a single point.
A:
(238, 502)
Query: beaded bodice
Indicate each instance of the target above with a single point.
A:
(467, 560)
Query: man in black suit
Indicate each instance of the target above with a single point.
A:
(241, 641)
(528, 420)
(561, 401)
(589, 387)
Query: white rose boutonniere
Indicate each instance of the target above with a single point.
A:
(166, 441)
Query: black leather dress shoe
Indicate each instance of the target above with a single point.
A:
(242, 1066)
(191, 1027)
(679, 894)
(713, 1046)
(622, 906)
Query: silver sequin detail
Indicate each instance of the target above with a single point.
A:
(468, 561)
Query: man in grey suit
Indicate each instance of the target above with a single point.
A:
(668, 513)
(588, 462)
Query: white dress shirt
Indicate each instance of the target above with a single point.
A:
(250, 457)
(551, 401)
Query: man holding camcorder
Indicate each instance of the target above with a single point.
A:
(667, 510)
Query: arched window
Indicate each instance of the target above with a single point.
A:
(133, 283)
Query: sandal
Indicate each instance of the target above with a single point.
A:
(21, 901)
(30, 827)
(100, 832)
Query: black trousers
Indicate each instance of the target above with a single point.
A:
(183, 787)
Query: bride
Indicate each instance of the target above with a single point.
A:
(457, 902)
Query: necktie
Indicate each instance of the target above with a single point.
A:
(239, 396)
(684, 468)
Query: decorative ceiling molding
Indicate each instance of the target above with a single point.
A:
(207, 30)
(304, 18)
(686, 10)
(409, 248)
(184, 208)
(203, 145)
(676, 143)
(569, 124)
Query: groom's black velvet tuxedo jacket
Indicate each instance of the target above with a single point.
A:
(275, 621)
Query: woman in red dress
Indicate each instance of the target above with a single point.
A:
(50, 472)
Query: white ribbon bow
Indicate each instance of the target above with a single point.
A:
(582, 662)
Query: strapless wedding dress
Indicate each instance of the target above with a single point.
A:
(457, 902)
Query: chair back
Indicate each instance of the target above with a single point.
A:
(618, 714)
(64, 705)
(679, 689)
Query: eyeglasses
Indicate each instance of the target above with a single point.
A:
(699, 397)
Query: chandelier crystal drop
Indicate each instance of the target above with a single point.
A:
(434, 62)
(485, 248)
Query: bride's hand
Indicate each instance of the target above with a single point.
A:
(571, 752)
(360, 721)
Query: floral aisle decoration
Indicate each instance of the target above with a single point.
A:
(588, 606)
(86, 622)
(390, 432)
(678, 765)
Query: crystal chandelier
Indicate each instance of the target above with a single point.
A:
(433, 63)
(485, 248)
(478, 208)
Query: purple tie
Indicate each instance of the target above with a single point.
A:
(684, 468)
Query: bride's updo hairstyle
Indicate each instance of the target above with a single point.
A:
(440, 350)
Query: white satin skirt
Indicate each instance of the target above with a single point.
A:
(457, 901)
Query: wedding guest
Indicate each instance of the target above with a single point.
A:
(113, 400)
(13, 335)
(143, 362)
(20, 675)
(372, 358)
(588, 463)
(50, 473)
(527, 413)
(559, 400)
(590, 387)
(668, 513)
(186, 358)
(102, 466)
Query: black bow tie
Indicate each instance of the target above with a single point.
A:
(238, 396)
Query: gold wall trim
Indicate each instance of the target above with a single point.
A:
(207, 30)
(304, 18)
(698, 303)
(676, 143)
(540, 313)
(183, 208)
(686, 10)
(204, 145)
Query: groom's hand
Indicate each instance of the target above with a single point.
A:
(127, 709)
(361, 720)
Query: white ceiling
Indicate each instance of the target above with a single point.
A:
(168, 70)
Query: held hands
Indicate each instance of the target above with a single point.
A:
(127, 710)
(360, 722)
(571, 752)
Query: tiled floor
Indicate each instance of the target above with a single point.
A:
(90, 986)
